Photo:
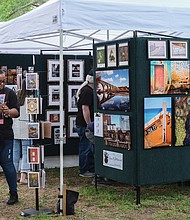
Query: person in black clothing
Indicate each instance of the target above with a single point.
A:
(9, 108)
(85, 115)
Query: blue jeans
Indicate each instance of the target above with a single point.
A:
(86, 152)
(17, 144)
(6, 162)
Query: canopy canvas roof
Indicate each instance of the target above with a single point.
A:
(83, 21)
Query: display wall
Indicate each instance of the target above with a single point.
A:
(47, 67)
(142, 110)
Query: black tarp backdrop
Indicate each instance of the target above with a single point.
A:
(26, 60)
(143, 166)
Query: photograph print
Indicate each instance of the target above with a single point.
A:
(182, 120)
(111, 55)
(33, 130)
(54, 95)
(116, 131)
(123, 52)
(72, 131)
(72, 99)
(34, 179)
(32, 81)
(169, 77)
(157, 122)
(76, 70)
(112, 88)
(53, 68)
(100, 53)
(157, 49)
(178, 50)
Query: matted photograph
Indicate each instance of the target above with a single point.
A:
(32, 105)
(32, 81)
(33, 179)
(182, 120)
(53, 67)
(169, 77)
(178, 50)
(111, 55)
(76, 70)
(56, 132)
(54, 117)
(112, 88)
(72, 99)
(72, 131)
(123, 54)
(100, 52)
(116, 131)
(54, 95)
(33, 130)
(157, 49)
(33, 154)
(157, 122)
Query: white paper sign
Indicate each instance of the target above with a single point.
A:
(98, 124)
(113, 159)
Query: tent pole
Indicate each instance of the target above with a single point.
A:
(61, 119)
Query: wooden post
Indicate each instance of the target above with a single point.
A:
(64, 199)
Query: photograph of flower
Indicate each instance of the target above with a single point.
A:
(112, 88)
(100, 53)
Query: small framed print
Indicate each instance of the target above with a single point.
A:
(53, 70)
(72, 131)
(32, 81)
(76, 70)
(157, 49)
(33, 130)
(54, 95)
(100, 53)
(56, 133)
(72, 99)
(19, 81)
(32, 105)
(54, 117)
(34, 179)
(178, 50)
(123, 54)
(33, 154)
(111, 55)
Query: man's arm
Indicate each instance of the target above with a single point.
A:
(86, 113)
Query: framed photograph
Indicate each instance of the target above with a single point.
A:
(157, 49)
(33, 130)
(72, 99)
(54, 117)
(56, 133)
(54, 95)
(34, 179)
(123, 54)
(100, 53)
(76, 70)
(32, 81)
(72, 131)
(33, 154)
(32, 105)
(178, 50)
(53, 67)
(111, 55)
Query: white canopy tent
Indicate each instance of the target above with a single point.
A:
(72, 25)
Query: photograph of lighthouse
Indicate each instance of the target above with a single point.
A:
(157, 122)
(112, 88)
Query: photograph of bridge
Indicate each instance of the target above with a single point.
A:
(112, 87)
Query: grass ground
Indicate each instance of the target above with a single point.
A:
(113, 202)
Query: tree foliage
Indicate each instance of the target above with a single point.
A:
(10, 9)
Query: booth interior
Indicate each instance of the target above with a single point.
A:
(47, 67)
